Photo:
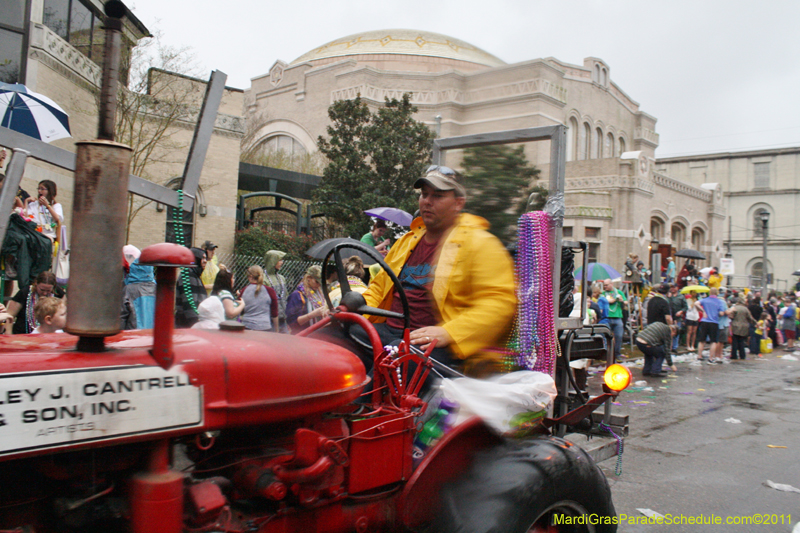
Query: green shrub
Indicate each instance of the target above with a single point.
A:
(256, 242)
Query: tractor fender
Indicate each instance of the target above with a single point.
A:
(447, 460)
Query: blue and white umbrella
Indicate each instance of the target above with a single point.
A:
(32, 113)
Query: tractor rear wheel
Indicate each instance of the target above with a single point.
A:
(540, 485)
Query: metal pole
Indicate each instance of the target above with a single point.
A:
(102, 168)
(764, 271)
(111, 57)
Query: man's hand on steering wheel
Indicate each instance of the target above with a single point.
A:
(422, 337)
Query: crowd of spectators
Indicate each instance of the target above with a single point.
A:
(697, 316)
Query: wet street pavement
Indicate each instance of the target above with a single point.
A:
(706, 441)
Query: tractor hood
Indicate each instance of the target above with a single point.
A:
(52, 396)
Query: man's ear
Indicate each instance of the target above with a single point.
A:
(460, 202)
(48, 319)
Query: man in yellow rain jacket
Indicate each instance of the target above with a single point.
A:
(458, 278)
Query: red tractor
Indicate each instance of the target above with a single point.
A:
(236, 431)
(239, 431)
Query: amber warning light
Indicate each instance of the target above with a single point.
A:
(617, 377)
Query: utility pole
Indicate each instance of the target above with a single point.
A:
(729, 254)
(764, 272)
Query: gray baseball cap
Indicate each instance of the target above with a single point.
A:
(442, 179)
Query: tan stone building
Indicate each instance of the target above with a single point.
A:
(753, 182)
(615, 199)
(54, 47)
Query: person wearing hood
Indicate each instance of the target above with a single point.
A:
(140, 293)
(211, 313)
(190, 291)
(212, 266)
(273, 261)
(458, 277)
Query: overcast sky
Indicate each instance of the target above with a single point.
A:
(719, 75)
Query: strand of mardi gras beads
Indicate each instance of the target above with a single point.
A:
(534, 336)
(546, 333)
(178, 224)
(526, 294)
(30, 317)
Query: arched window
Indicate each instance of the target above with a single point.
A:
(757, 273)
(572, 139)
(656, 229)
(587, 141)
(758, 224)
(282, 143)
(621, 146)
(598, 143)
(678, 233)
(609, 148)
(597, 73)
(604, 77)
(182, 222)
(698, 239)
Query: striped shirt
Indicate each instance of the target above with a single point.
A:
(656, 334)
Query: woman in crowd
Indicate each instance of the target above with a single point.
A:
(692, 321)
(306, 305)
(273, 261)
(223, 289)
(22, 304)
(354, 268)
(261, 302)
(46, 212)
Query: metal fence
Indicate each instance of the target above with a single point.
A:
(755, 283)
(318, 230)
(291, 270)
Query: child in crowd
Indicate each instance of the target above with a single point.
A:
(51, 314)
(762, 328)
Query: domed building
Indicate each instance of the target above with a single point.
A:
(615, 200)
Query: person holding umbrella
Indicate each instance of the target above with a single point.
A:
(684, 276)
(375, 237)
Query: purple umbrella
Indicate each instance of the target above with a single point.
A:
(391, 214)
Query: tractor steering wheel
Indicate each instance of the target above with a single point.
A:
(353, 301)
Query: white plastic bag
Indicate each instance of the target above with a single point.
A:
(511, 404)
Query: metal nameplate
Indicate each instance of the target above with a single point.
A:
(66, 407)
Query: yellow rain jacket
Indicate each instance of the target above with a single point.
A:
(473, 288)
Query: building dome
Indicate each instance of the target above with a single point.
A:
(383, 43)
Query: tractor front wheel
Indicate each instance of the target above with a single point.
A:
(539, 485)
